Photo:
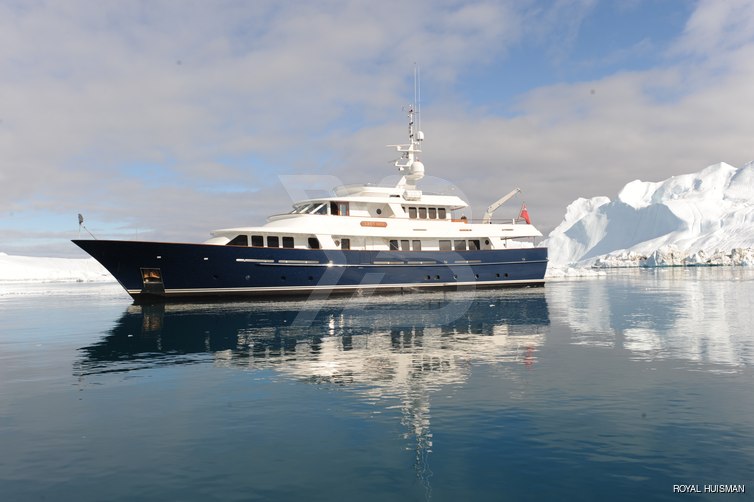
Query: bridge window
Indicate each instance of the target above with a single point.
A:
(313, 243)
(417, 245)
(474, 245)
(441, 213)
(432, 213)
(345, 244)
(405, 245)
(288, 242)
(302, 208)
(459, 245)
(445, 245)
(239, 240)
(423, 213)
(393, 245)
(273, 241)
(257, 240)
(412, 212)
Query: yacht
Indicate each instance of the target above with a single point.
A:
(359, 239)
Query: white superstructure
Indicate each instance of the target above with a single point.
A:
(380, 218)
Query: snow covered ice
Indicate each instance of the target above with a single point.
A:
(703, 218)
(35, 269)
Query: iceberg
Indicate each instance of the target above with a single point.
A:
(698, 219)
(38, 269)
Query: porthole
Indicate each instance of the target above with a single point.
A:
(437, 277)
(379, 211)
(476, 275)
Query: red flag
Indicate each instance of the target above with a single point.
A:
(524, 214)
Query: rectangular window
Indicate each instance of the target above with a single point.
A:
(417, 245)
(412, 212)
(393, 245)
(313, 243)
(445, 246)
(345, 244)
(459, 245)
(423, 213)
(288, 242)
(239, 240)
(474, 245)
(343, 208)
(432, 213)
(405, 245)
(441, 213)
(273, 241)
(257, 240)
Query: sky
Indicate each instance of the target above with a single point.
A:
(163, 120)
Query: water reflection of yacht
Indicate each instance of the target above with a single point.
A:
(495, 326)
(396, 359)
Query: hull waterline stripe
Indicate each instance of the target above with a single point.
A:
(272, 289)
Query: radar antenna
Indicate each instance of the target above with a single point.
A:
(409, 164)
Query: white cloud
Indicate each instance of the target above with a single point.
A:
(557, 25)
(716, 27)
(95, 95)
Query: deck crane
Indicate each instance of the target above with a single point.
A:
(502, 200)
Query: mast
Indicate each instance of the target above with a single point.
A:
(409, 164)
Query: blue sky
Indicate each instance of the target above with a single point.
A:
(164, 119)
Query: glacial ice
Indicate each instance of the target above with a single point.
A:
(698, 219)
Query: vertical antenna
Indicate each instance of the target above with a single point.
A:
(417, 95)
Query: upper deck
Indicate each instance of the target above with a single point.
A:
(375, 217)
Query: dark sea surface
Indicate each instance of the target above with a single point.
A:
(613, 388)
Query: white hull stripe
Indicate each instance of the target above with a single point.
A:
(273, 289)
(390, 264)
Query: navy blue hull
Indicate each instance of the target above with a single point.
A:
(167, 270)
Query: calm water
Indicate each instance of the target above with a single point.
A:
(605, 389)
